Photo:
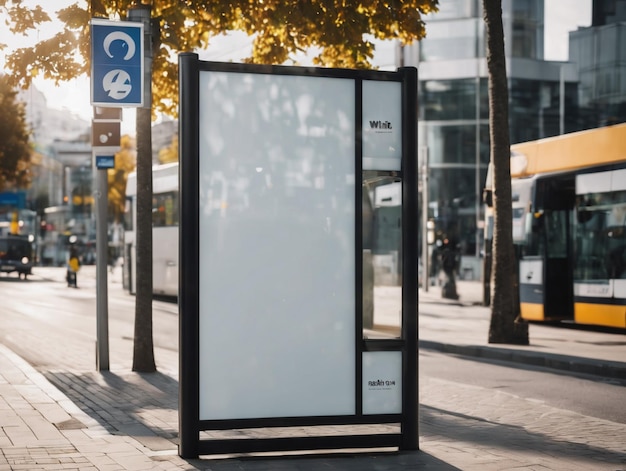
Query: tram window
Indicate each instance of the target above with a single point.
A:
(592, 246)
(534, 234)
(616, 237)
(584, 216)
(556, 233)
(600, 239)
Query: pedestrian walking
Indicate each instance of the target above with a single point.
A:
(73, 265)
(449, 265)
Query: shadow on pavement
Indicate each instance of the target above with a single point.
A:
(390, 461)
(347, 461)
(477, 431)
(140, 405)
(144, 406)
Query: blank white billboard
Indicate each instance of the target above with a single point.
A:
(277, 256)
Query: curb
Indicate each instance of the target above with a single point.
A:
(571, 364)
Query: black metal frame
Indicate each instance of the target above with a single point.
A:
(191, 446)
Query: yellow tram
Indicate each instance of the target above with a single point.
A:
(569, 216)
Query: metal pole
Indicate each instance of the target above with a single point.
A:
(478, 233)
(425, 254)
(102, 243)
(410, 178)
(188, 299)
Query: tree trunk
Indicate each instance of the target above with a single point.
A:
(505, 326)
(143, 351)
(143, 348)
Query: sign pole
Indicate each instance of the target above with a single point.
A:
(102, 315)
(105, 141)
(117, 72)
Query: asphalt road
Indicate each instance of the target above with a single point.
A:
(586, 395)
(53, 326)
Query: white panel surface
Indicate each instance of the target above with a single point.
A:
(277, 255)
(382, 383)
(382, 125)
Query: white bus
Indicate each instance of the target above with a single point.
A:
(165, 220)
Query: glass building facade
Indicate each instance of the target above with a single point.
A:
(453, 128)
(600, 52)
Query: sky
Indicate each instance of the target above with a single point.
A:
(561, 16)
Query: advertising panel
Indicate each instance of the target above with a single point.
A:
(277, 263)
(274, 165)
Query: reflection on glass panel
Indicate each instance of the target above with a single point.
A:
(456, 143)
(606, 55)
(451, 9)
(453, 99)
(527, 29)
(452, 199)
(535, 107)
(382, 255)
(528, 9)
(451, 40)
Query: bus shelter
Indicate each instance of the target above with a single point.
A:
(298, 249)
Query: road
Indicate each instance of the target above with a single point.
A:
(54, 327)
(589, 396)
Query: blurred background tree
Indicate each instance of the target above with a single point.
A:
(15, 149)
(125, 163)
(169, 154)
(337, 33)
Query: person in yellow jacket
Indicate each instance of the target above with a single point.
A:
(73, 265)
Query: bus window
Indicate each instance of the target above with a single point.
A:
(600, 239)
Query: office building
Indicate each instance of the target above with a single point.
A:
(453, 129)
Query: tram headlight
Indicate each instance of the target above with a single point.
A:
(24, 260)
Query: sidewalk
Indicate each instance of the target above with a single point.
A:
(129, 421)
(567, 349)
